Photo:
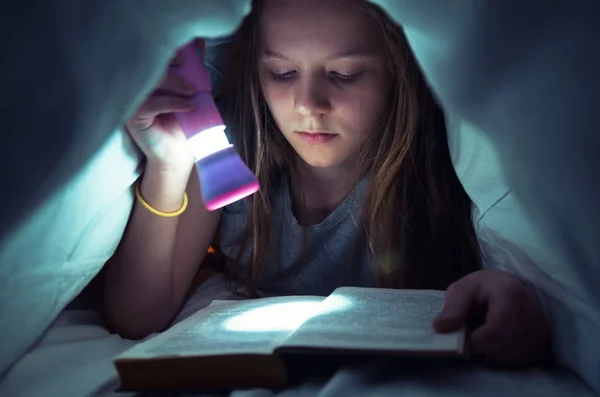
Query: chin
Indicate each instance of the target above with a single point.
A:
(321, 157)
(322, 162)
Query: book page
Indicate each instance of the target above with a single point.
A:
(254, 326)
(378, 319)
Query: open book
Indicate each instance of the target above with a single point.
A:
(250, 343)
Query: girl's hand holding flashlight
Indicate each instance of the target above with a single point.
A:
(153, 126)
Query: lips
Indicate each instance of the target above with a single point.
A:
(316, 136)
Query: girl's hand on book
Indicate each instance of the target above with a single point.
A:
(509, 328)
(154, 129)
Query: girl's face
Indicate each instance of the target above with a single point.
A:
(323, 71)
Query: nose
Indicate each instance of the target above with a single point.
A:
(311, 98)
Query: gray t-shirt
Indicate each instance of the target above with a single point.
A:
(335, 253)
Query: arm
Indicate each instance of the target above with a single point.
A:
(157, 259)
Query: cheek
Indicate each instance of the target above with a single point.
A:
(363, 111)
(278, 101)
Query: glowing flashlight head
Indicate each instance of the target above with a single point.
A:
(203, 127)
(224, 177)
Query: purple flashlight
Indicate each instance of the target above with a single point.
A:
(224, 177)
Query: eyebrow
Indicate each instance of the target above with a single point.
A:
(340, 55)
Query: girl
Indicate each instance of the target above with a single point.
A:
(326, 104)
(351, 153)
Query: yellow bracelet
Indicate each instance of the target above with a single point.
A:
(138, 195)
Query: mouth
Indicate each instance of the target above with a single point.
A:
(317, 136)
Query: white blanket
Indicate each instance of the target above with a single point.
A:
(51, 257)
(74, 358)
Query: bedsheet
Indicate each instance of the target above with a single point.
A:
(74, 358)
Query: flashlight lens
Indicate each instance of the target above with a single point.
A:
(208, 142)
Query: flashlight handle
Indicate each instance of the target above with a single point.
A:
(224, 177)
(192, 68)
(205, 115)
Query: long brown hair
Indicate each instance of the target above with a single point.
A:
(416, 216)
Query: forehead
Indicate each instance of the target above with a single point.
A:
(318, 26)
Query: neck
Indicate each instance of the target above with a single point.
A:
(318, 191)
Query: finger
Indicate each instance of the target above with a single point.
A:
(162, 104)
(499, 355)
(458, 302)
(170, 123)
(178, 59)
(175, 84)
(501, 327)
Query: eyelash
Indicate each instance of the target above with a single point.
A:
(344, 78)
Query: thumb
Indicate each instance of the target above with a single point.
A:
(457, 304)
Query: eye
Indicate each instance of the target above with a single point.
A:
(282, 75)
(345, 77)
